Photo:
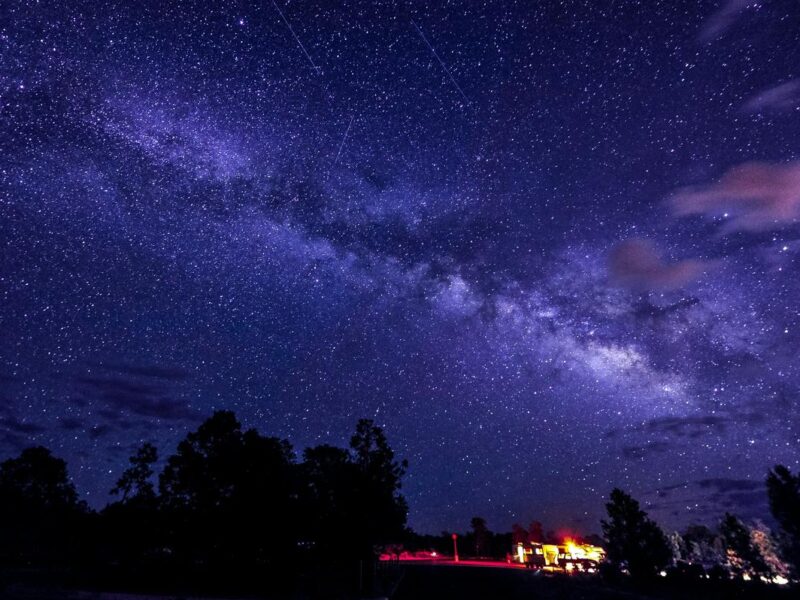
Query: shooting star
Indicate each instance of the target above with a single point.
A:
(344, 139)
(441, 62)
(297, 39)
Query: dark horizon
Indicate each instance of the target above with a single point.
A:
(549, 249)
(554, 530)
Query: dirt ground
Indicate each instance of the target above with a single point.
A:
(422, 582)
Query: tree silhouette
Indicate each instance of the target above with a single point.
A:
(201, 476)
(266, 499)
(383, 508)
(133, 524)
(228, 509)
(633, 539)
(536, 532)
(743, 556)
(231, 496)
(481, 533)
(703, 546)
(37, 480)
(519, 535)
(783, 489)
(136, 479)
(353, 496)
(766, 545)
(40, 513)
(333, 520)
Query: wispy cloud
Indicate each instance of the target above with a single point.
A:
(641, 452)
(636, 264)
(754, 196)
(782, 97)
(688, 426)
(144, 391)
(17, 433)
(723, 18)
(708, 498)
(156, 371)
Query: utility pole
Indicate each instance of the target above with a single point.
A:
(455, 547)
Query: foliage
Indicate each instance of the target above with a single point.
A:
(135, 481)
(536, 532)
(233, 500)
(762, 539)
(633, 539)
(132, 525)
(40, 514)
(231, 505)
(37, 481)
(330, 480)
(703, 546)
(783, 489)
(743, 556)
(352, 497)
(383, 508)
(481, 534)
(519, 535)
(230, 496)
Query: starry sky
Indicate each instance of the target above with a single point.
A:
(551, 247)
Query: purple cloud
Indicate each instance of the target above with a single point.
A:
(636, 264)
(783, 97)
(720, 21)
(754, 196)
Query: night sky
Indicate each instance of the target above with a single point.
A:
(550, 247)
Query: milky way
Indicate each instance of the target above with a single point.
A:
(550, 247)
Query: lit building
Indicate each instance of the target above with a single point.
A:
(569, 556)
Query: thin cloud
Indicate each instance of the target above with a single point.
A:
(156, 371)
(779, 98)
(722, 20)
(16, 433)
(747, 498)
(672, 428)
(636, 264)
(754, 196)
(641, 452)
(16, 426)
(144, 396)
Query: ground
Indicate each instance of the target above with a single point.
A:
(441, 582)
(421, 581)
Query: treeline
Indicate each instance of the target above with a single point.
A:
(230, 506)
(480, 542)
(733, 549)
(637, 545)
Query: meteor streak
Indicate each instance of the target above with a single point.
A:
(297, 39)
(441, 62)
(344, 139)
